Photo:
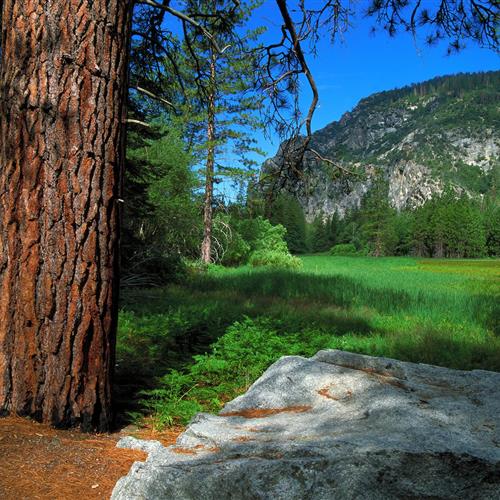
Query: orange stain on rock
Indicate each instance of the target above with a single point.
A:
(265, 412)
(325, 392)
(194, 450)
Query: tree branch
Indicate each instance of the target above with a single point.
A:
(186, 19)
(154, 96)
(331, 162)
(289, 25)
(137, 122)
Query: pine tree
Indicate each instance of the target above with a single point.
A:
(222, 104)
(491, 223)
(287, 211)
(378, 221)
(61, 157)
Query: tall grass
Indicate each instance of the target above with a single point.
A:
(438, 312)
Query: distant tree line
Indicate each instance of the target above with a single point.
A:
(446, 226)
(440, 86)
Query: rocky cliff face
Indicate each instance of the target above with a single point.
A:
(418, 140)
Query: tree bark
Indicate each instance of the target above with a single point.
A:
(62, 111)
(206, 246)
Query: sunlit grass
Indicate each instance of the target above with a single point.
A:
(438, 312)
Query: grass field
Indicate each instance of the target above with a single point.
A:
(441, 312)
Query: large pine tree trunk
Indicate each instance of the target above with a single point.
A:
(62, 95)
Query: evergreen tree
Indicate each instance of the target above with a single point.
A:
(451, 227)
(421, 233)
(323, 233)
(403, 223)
(161, 218)
(222, 106)
(491, 222)
(377, 227)
(287, 211)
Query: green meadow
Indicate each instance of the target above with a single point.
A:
(193, 346)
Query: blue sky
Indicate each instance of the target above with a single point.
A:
(364, 63)
(359, 65)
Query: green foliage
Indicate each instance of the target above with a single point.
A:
(228, 246)
(323, 233)
(238, 250)
(161, 222)
(262, 235)
(236, 360)
(449, 227)
(171, 402)
(273, 258)
(402, 223)
(492, 229)
(268, 245)
(209, 339)
(286, 211)
(344, 249)
(255, 241)
(377, 222)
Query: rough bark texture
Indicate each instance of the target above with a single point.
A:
(62, 94)
(206, 245)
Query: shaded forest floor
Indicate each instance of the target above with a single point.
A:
(38, 462)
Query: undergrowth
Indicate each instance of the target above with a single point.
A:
(191, 348)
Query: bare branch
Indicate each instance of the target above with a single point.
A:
(186, 19)
(297, 48)
(287, 74)
(137, 122)
(154, 96)
(331, 162)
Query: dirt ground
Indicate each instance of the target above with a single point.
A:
(38, 462)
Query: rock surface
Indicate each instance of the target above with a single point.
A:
(419, 141)
(338, 425)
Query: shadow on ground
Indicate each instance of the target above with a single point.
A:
(161, 329)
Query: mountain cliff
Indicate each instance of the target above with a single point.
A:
(418, 140)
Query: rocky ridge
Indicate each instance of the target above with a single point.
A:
(419, 140)
(338, 425)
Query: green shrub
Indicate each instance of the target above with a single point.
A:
(235, 241)
(276, 259)
(343, 249)
(237, 251)
(260, 234)
(237, 359)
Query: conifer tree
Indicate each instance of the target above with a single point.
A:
(287, 211)
(377, 221)
(222, 103)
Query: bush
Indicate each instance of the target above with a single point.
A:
(260, 234)
(229, 248)
(237, 359)
(274, 258)
(237, 251)
(344, 249)
(235, 241)
(255, 241)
